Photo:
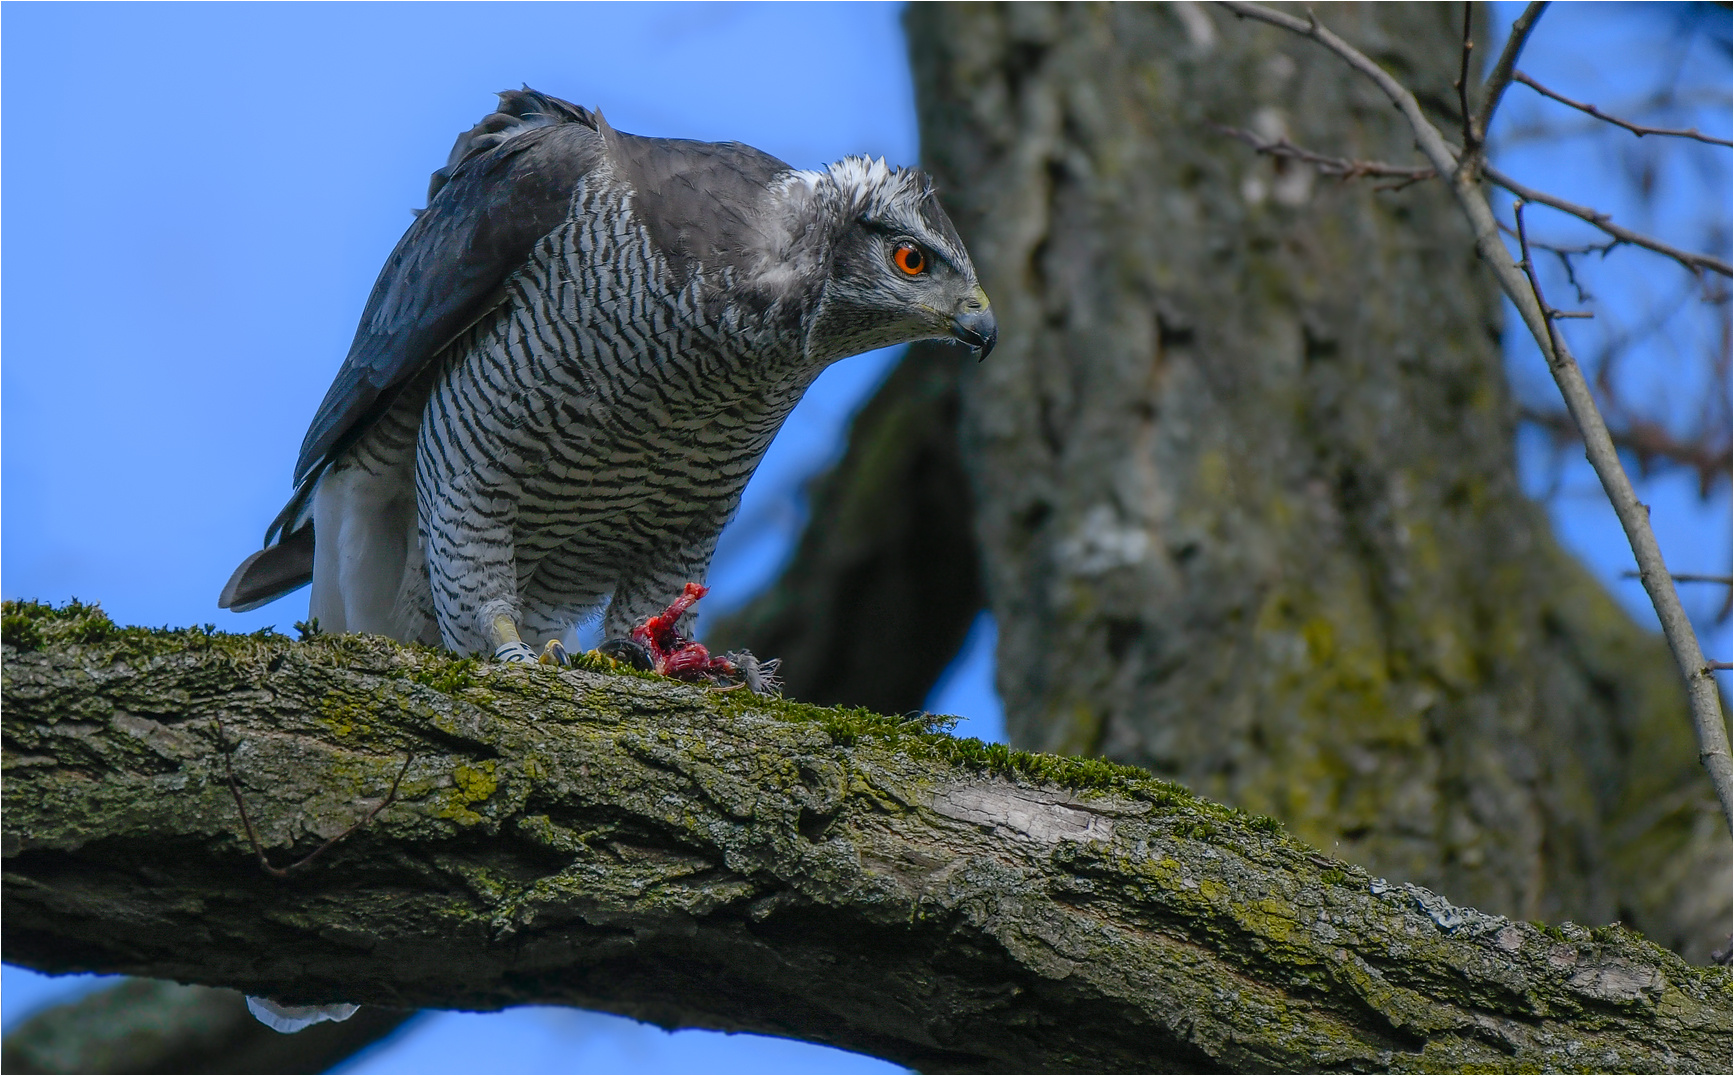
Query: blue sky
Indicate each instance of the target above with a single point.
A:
(198, 199)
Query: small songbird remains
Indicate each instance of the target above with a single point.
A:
(571, 365)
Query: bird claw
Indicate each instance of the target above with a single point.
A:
(656, 645)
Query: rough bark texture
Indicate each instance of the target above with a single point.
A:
(718, 860)
(142, 1025)
(1243, 467)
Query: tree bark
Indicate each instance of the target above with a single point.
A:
(1243, 469)
(719, 860)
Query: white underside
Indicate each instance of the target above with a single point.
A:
(367, 557)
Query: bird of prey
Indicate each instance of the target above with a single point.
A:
(572, 363)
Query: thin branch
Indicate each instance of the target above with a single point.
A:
(1565, 255)
(1690, 577)
(1534, 129)
(1604, 249)
(1346, 168)
(1500, 78)
(1471, 141)
(1528, 267)
(1606, 223)
(1636, 128)
(1706, 699)
(1649, 441)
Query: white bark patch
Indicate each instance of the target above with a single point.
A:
(164, 740)
(1102, 543)
(1618, 982)
(1023, 813)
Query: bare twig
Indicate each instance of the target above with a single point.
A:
(1537, 128)
(1564, 251)
(1500, 77)
(307, 860)
(1636, 128)
(1649, 441)
(1690, 577)
(1565, 255)
(1471, 141)
(1349, 168)
(1547, 312)
(1606, 223)
(1346, 168)
(1706, 701)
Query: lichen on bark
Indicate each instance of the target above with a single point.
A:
(1244, 468)
(720, 860)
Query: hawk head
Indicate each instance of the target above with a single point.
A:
(894, 268)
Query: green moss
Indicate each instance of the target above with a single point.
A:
(594, 662)
(470, 785)
(1198, 830)
(1268, 918)
(928, 737)
(35, 625)
(29, 625)
(446, 674)
(19, 630)
(1263, 823)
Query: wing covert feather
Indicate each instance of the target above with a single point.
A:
(478, 229)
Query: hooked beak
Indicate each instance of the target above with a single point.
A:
(976, 327)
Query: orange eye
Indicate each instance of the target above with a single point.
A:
(908, 257)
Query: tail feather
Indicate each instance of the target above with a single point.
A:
(271, 572)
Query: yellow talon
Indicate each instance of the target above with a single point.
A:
(554, 654)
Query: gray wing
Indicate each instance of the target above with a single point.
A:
(508, 183)
(701, 202)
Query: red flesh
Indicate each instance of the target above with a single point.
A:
(674, 654)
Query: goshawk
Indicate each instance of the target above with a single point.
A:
(572, 363)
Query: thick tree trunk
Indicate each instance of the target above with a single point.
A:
(1243, 469)
(718, 860)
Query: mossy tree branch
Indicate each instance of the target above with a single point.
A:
(719, 860)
